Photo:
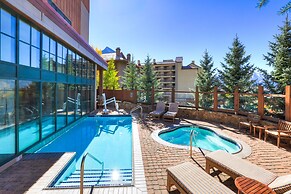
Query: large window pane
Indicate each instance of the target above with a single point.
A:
(8, 23)
(24, 54)
(35, 37)
(78, 101)
(70, 104)
(45, 60)
(52, 47)
(35, 60)
(52, 62)
(7, 119)
(8, 48)
(70, 63)
(24, 32)
(48, 109)
(45, 43)
(60, 50)
(61, 106)
(28, 113)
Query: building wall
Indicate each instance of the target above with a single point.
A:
(166, 72)
(45, 82)
(185, 78)
(78, 12)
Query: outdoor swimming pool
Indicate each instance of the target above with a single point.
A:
(203, 138)
(108, 139)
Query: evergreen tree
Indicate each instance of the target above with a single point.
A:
(130, 78)
(206, 79)
(110, 77)
(237, 70)
(284, 9)
(279, 58)
(148, 80)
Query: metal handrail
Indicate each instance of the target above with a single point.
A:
(191, 145)
(136, 108)
(82, 169)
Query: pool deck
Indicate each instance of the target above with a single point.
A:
(30, 175)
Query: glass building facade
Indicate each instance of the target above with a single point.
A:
(44, 85)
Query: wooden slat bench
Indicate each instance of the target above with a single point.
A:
(189, 178)
(281, 131)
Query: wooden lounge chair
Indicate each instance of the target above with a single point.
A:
(235, 167)
(172, 112)
(189, 178)
(253, 119)
(281, 131)
(160, 110)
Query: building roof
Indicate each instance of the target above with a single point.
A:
(108, 55)
(107, 50)
(191, 66)
(44, 7)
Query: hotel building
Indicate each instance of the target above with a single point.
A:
(47, 70)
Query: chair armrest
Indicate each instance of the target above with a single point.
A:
(270, 127)
(284, 131)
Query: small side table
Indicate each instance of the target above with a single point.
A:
(260, 128)
(247, 186)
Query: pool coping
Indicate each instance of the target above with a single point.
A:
(139, 180)
(243, 153)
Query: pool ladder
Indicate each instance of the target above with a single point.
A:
(136, 108)
(82, 169)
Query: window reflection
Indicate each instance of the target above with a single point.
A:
(7, 119)
(35, 59)
(8, 48)
(28, 113)
(24, 54)
(62, 105)
(70, 105)
(8, 23)
(24, 32)
(48, 108)
(78, 101)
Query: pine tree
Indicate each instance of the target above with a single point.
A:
(284, 9)
(279, 57)
(110, 77)
(130, 78)
(148, 79)
(206, 79)
(237, 71)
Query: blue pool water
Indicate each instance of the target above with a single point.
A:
(109, 139)
(203, 138)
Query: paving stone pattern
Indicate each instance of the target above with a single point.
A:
(157, 157)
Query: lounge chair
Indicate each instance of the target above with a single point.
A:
(253, 119)
(235, 167)
(189, 178)
(172, 112)
(281, 131)
(160, 110)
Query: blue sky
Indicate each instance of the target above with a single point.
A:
(165, 29)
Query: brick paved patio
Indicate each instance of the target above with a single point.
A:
(22, 177)
(158, 157)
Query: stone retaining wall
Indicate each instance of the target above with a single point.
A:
(203, 115)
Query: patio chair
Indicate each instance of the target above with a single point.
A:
(160, 110)
(172, 112)
(281, 131)
(108, 101)
(189, 178)
(253, 119)
(236, 167)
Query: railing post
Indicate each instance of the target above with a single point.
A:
(215, 99)
(288, 103)
(153, 96)
(135, 96)
(261, 101)
(197, 98)
(173, 94)
(236, 100)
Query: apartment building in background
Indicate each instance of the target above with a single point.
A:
(172, 74)
(47, 70)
